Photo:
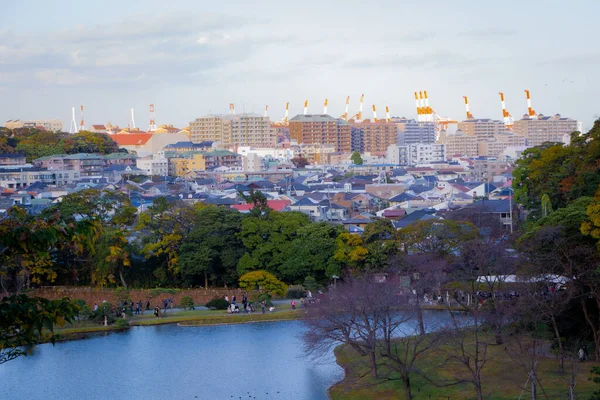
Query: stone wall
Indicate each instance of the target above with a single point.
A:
(96, 295)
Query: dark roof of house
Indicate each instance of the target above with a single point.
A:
(491, 206)
(399, 198)
(305, 202)
(220, 201)
(419, 215)
(354, 221)
(11, 155)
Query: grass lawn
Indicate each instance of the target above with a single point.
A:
(503, 379)
(185, 318)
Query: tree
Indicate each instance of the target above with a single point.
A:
(163, 228)
(440, 238)
(259, 201)
(380, 238)
(350, 251)
(300, 162)
(356, 158)
(369, 318)
(267, 240)
(26, 321)
(311, 252)
(30, 247)
(212, 248)
(264, 282)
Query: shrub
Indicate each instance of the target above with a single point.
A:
(266, 297)
(122, 294)
(122, 323)
(84, 311)
(264, 281)
(187, 303)
(296, 291)
(104, 310)
(311, 284)
(217, 304)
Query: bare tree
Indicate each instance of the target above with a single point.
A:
(371, 319)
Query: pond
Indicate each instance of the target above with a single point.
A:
(251, 361)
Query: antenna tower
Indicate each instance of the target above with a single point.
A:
(132, 122)
(82, 123)
(152, 126)
(73, 128)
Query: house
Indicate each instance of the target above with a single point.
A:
(358, 222)
(419, 215)
(275, 205)
(499, 208)
(12, 159)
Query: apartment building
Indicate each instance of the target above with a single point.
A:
(459, 143)
(321, 129)
(12, 159)
(416, 154)
(411, 131)
(234, 130)
(485, 170)
(497, 145)
(47, 124)
(18, 178)
(540, 129)
(482, 127)
(84, 164)
(375, 137)
(183, 163)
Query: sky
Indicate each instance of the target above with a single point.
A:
(192, 58)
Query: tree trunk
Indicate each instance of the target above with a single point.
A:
(407, 389)
(373, 364)
(561, 362)
(593, 329)
(420, 316)
(533, 387)
(205, 280)
(479, 391)
(122, 278)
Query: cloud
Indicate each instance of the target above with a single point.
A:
(588, 59)
(487, 33)
(165, 49)
(436, 60)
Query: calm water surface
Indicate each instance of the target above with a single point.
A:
(252, 361)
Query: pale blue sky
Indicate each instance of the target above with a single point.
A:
(190, 58)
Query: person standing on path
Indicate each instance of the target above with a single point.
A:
(227, 298)
(233, 299)
(262, 306)
(166, 304)
(137, 308)
(147, 305)
(293, 304)
(140, 307)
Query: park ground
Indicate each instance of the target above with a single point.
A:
(200, 317)
(503, 379)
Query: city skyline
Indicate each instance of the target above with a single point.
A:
(192, 60)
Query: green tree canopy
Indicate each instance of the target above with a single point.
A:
(356, 158)
(264, 282)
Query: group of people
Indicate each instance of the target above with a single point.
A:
(247, 306)
(138, 308)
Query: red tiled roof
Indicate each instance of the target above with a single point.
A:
(99, 127)
(133, 139)
(276, 205)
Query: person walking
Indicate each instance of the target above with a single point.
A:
(293, 304)
(171, 303)
(147, 305)
(227, 298)
(95, 307)
(131, 306)
(140, 307)
(233, 299)
(166, 304)
(262, 306)
(137, 308)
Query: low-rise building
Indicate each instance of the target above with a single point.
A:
(12, 159)
(86, 165)
(53, 125)
(17, 178)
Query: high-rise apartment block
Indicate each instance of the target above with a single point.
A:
(482, 127)
(540, 129)
(321, 129)
(411, 131)
(375, 137)
(234, 130)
